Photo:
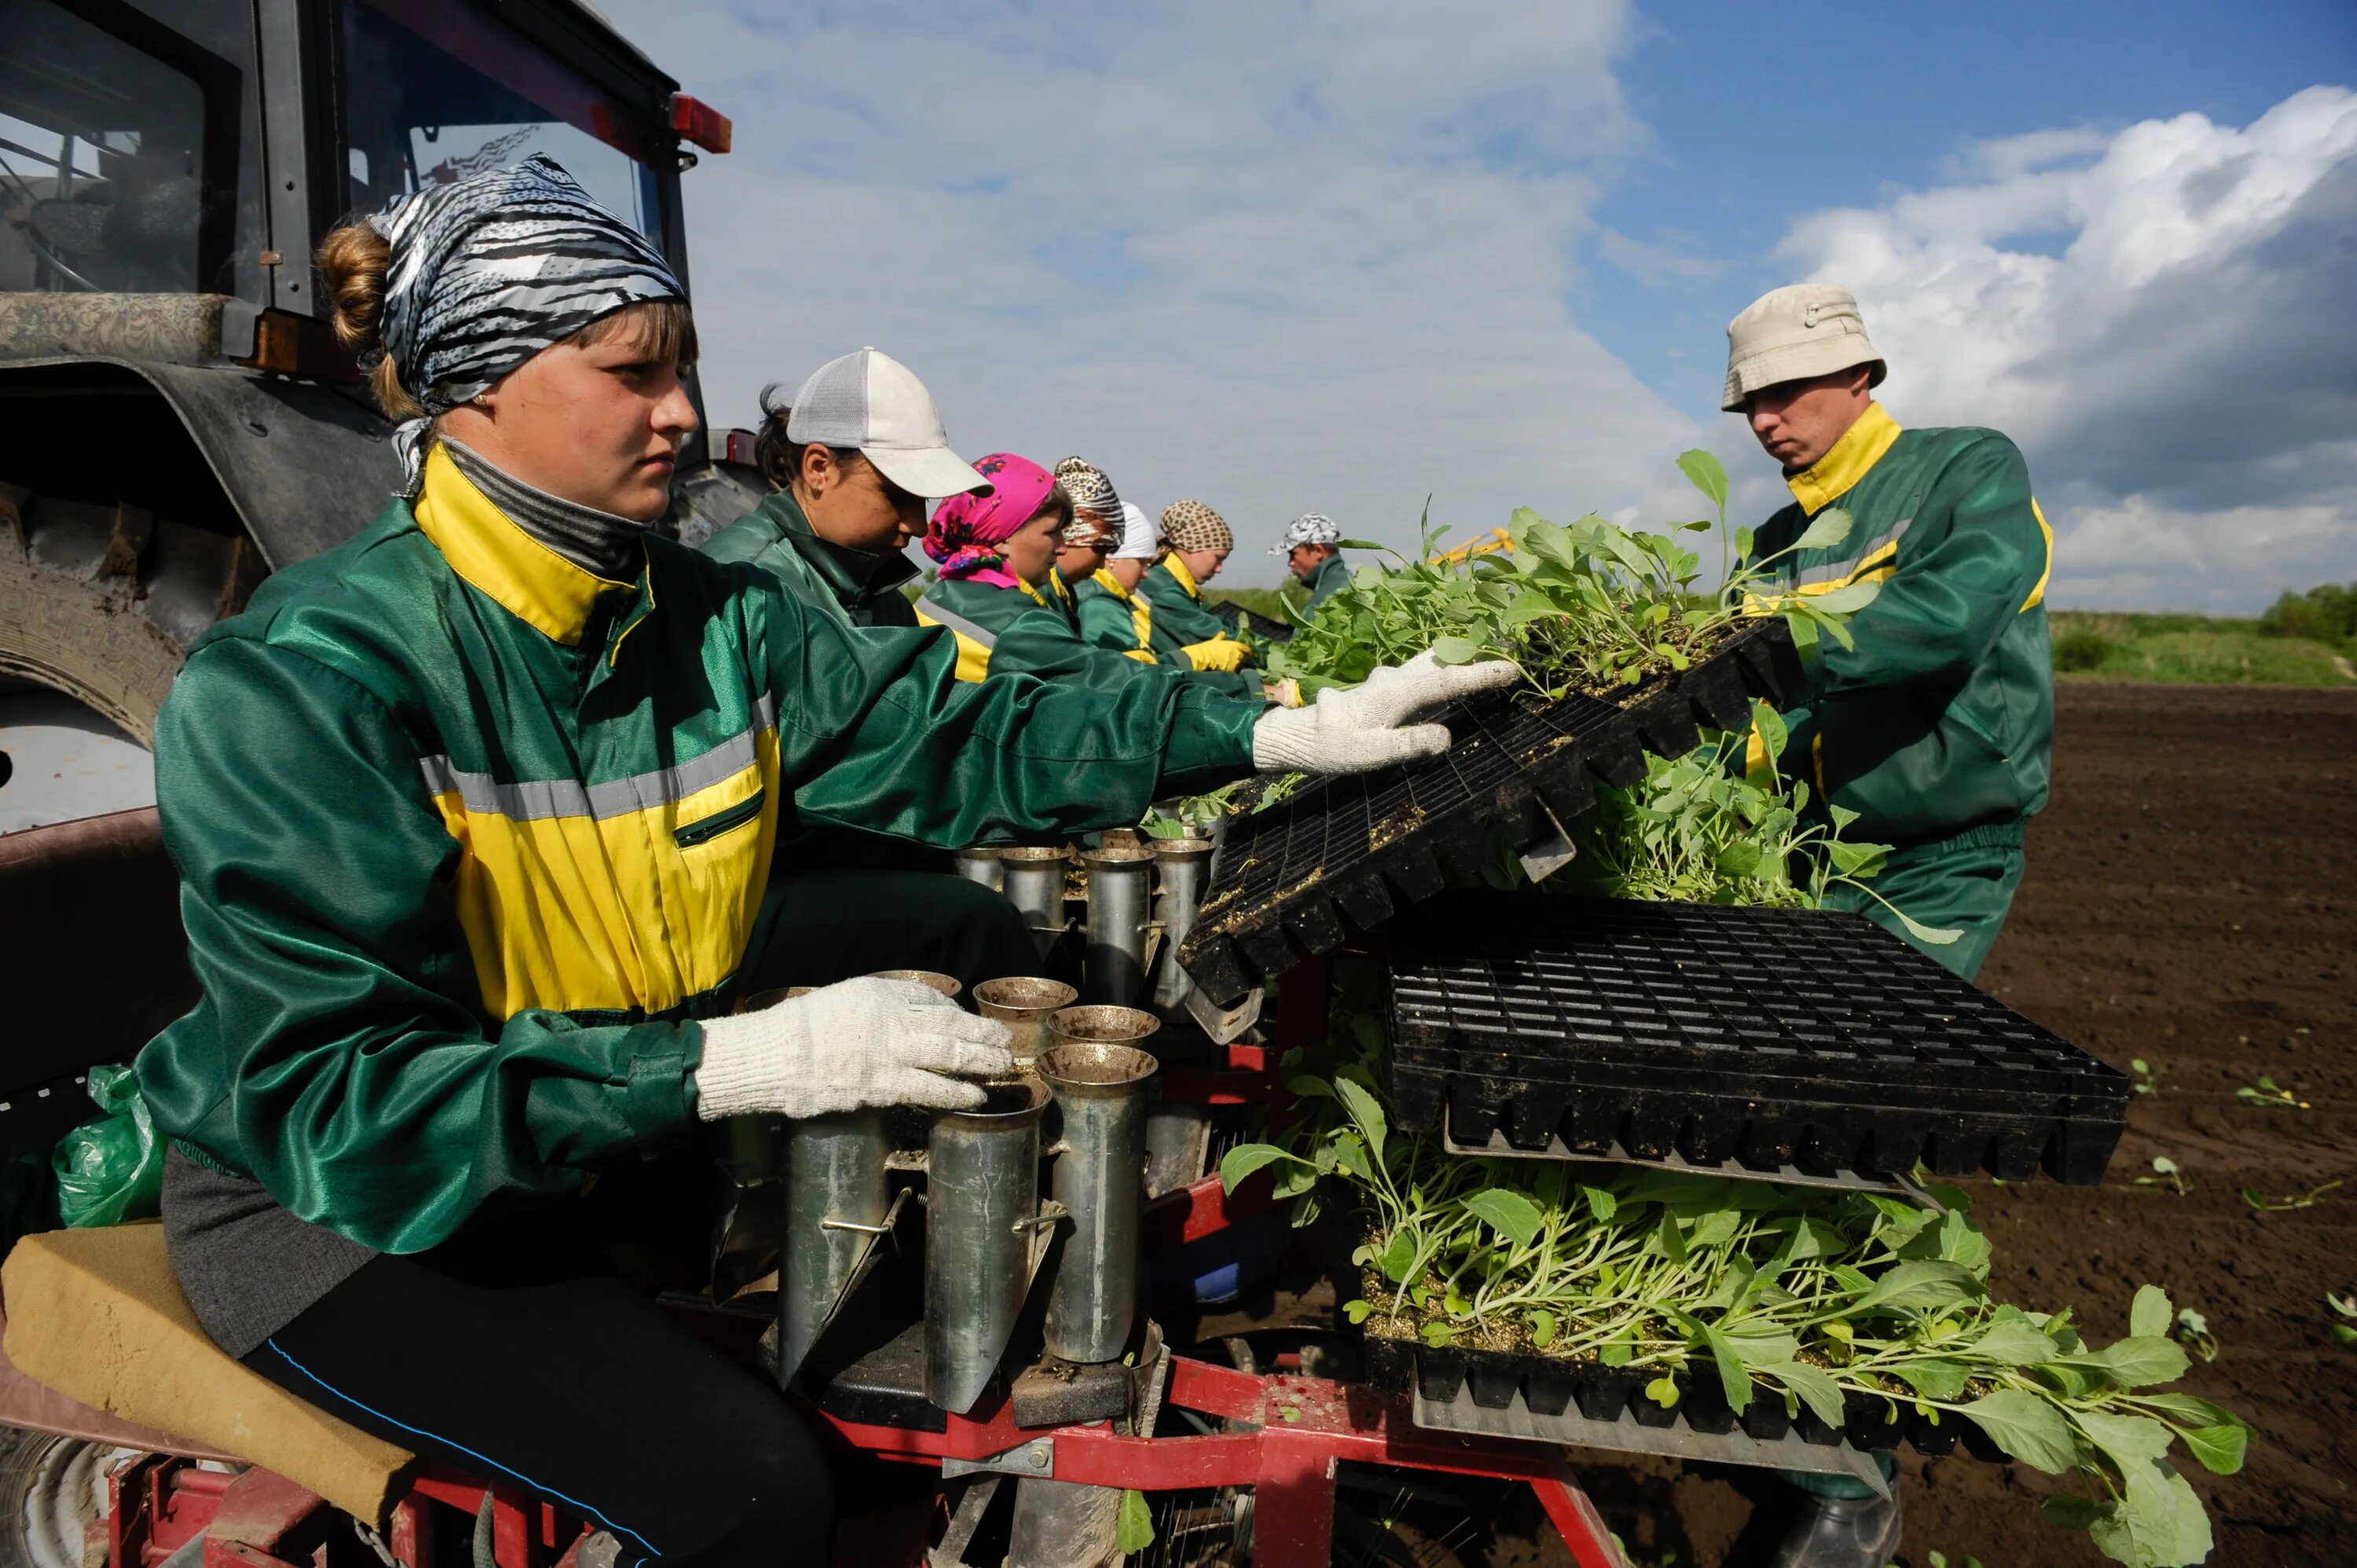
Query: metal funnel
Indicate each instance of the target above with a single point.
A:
(1121, 886)
(835, 1199)
(1033, 881)
(981, 865)
(982, 1205)
(1185, 866)
(1022, 1004)
(1100, 1182)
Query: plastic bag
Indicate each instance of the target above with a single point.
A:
(112, 1169)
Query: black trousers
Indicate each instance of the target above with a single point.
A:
(516, 1353)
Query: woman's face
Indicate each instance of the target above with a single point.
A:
(852, 503)
(598, 424)
(1079, 563)
(1129, 573)
(1202, 565)
(1031, 549)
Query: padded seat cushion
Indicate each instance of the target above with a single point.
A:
(99, 1316)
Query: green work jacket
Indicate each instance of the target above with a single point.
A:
(1031, 631)
(1181, 619)
(1121, 619)
(859, 587)
(469, 838)
(1331, 574)
(1940, 719)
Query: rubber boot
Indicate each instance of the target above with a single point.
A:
(1842, 1532)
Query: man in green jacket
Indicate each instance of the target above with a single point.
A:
(855, 458)
(1936, 727)
(1312, 548)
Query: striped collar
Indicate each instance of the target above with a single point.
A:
(1836, 474)
(498, 558)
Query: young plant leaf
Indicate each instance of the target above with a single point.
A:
(1133, 1529)
(1245, 1158)
(1816, 1387)
(1709, 475)
(1731, 1374)
(1509, 1213)
(1935, 1378)
(1929, 1284)
(1366, 1112)
(1830, 528)
(2219, 1449)
(1398, 1261)
(2150, 1315)
(2027, 1427)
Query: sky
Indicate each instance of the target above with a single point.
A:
(1292, 256)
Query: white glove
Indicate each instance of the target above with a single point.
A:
(1366, 726)
(845, 1047)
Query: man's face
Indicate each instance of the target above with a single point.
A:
(1797, 422)
(1304, 559)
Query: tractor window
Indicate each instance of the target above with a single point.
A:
(434, 89)
(117, 152)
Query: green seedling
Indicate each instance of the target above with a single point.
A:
(1801, 1296)
(2343, 1333)
(2147, 1079)
(2267, 1093)
(2165, 1173)
(1940, 1560)
(2307, 1199)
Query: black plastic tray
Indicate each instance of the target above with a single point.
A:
(1357, 849)
(1550, 1385)
(1751, 1036)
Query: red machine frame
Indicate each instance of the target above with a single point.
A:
(1301, 1429)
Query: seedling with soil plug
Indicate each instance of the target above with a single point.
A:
(2268, 1094)
(2307, 1199)
(2148, 1078)
(2343, 1333)
(2166, 1173)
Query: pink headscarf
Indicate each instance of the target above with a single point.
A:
(967, 529)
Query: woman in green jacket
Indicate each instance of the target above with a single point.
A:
(1196, 542)
(473, 818)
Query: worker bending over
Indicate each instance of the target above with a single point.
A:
(1936, 725)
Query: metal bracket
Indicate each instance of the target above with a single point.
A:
(964, 1522)
(1037, 1457)
(1552, 851)
(1224, 1024)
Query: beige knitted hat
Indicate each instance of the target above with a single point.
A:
(1192, 525)
(1792, 334)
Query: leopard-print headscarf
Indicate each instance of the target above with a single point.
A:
(1089, 491)
(1192, 525)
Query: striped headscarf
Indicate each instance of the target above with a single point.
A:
(1192, 525)
(487, 271)
(967, 529)
(1089, 487)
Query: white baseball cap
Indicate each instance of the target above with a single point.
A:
(871, 401)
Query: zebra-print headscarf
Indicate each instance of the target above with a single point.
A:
(487, 271)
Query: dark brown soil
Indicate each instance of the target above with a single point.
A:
(2191, 899)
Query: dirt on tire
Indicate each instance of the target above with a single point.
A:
(2191, 900)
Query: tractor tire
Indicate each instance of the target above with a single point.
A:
(100, 602)
(49, 1494)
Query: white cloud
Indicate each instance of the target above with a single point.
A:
(2181, 370)
(1284, 258)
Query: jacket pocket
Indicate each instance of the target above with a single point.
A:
(728, 818)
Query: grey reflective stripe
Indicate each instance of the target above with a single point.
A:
(1837, 574)
(955, 622)
(535, 800)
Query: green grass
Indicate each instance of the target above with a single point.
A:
(2176, 647)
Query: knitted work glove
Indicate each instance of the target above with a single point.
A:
(1221, 652)
(1366, 726)
(845, 1047)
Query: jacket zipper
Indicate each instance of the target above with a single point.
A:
(720, 822)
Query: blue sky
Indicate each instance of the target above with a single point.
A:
(1291, 255)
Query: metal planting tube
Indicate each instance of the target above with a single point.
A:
(1185, 866)
(982, 1205)
(1033, 881)
(981, 865)
(1022, 1004)
(1121, 889)
(836, 1204)
(1100, 1182)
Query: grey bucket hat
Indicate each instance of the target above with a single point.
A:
(1790, 334)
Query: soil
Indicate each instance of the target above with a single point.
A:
(2191, 900)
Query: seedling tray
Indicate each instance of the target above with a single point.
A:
(1746, 1038)
(1358, 849)
(1585, 1396)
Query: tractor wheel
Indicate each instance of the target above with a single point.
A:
(49, 1492)
(100, 601)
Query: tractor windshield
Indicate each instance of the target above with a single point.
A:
(434, 89)
(118, 150)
